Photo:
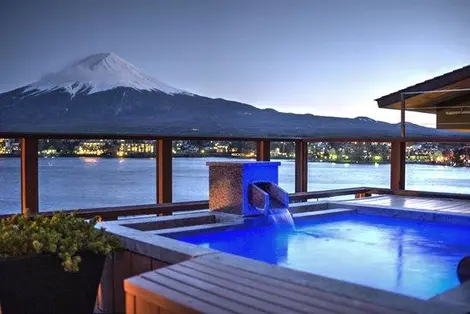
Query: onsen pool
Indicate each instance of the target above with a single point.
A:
(410, 257)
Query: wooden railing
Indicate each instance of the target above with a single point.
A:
(112, 213)
(164, 205)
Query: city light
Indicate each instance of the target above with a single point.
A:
(352, 152)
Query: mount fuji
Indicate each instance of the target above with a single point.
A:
(105, 94)
(98, 73)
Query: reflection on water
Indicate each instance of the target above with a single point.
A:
(68, 183)
(90, 160)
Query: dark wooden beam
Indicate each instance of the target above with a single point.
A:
(402, 117)
(263, 150)
(304, 196)
(397, 169)
(413, 193)
(112, 213)
(29, 176)
(301, 166)
(164, 171)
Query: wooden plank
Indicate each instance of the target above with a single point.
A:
(140, 264)
(170, 299)
(122, 270)
(263, 150)
(226, 291)
(277, 292)
(397, 168)
(110, 213)
(307, 291)
(199, 290)
(277, 296)
(130, 304)
(413, 202)
(164, 171)
(301, 166)
(368, 200)
(417, 203)
(460, 208)
(142, 306)
(413, 193)
(302, 196)
(29, 176)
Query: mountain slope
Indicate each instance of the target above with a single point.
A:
(105, 94)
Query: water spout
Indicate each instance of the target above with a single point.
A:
(273, 201)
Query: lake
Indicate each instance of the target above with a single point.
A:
(71, 183)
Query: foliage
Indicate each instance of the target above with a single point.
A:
(63, 234)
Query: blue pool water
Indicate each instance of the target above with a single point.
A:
(409, 257)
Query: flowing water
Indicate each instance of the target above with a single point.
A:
(281, 218)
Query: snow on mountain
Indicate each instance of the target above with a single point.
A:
(365, 119)
(97, 73)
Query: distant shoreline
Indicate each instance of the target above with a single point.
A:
(240, 157)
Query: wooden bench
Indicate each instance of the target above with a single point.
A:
(203, 285)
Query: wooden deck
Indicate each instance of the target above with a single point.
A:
(224, 289)
(237, 285)
(416, 203)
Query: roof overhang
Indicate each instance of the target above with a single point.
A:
(427, 96)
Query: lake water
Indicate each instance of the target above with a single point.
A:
(71, 183)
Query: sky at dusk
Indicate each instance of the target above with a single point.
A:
(322, 57)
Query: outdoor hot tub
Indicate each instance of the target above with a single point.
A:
(392, 256)
(408, 256)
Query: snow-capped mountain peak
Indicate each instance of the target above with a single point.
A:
(100, 72)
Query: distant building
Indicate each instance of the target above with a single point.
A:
(91, 148)
(5, 146)
(136, 148)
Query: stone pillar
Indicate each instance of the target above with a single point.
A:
(229, 184)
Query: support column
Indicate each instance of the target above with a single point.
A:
(402, 116)
(263, 150)
(301, 166)
(397, 169)
(29, 176)
(164, 171)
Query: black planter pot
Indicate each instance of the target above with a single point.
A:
(39, 285)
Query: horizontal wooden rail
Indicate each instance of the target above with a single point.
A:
(111, 213)
(414, 193)
(304, 196)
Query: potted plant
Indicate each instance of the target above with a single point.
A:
(51, 264)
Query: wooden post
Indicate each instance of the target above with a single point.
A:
(362, 194)
(301, 166)
(263, 151)
(164, 171)
(402, 116)
(397, 169)
(29, 176)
